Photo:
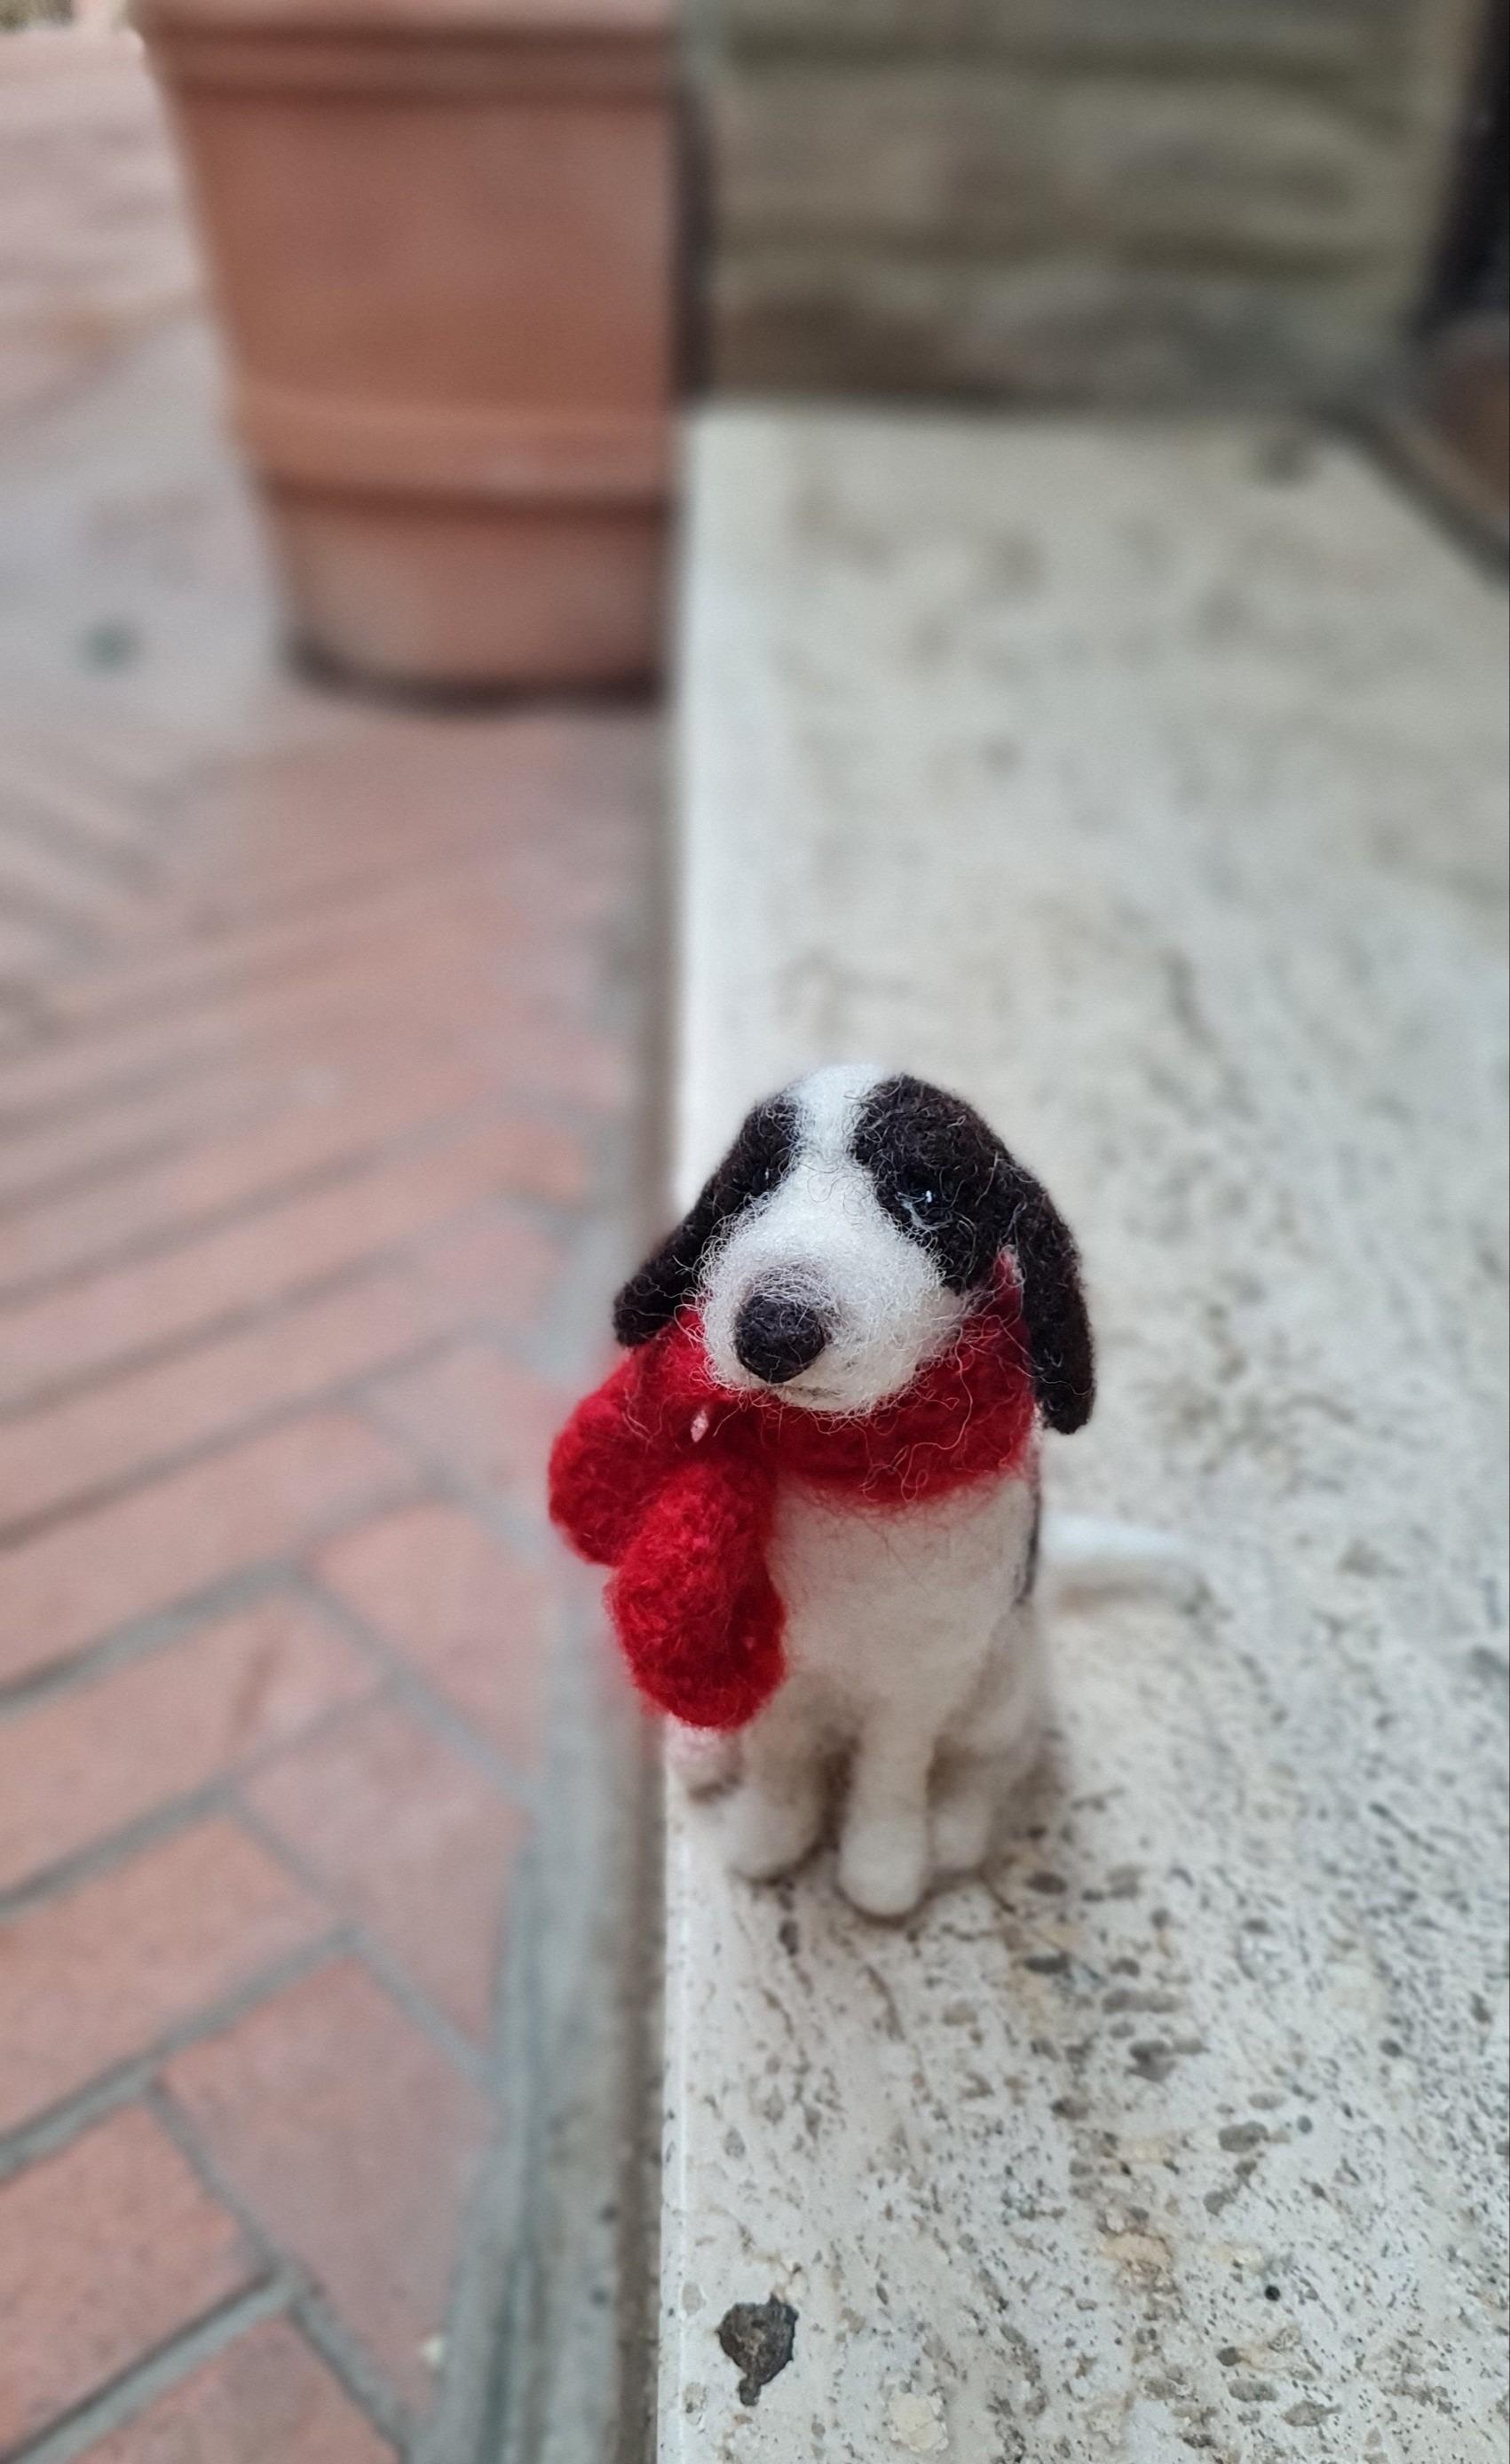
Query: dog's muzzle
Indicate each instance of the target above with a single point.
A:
(777, 1336)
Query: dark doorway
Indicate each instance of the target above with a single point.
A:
(1455, 429)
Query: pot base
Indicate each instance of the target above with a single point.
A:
(462, 600)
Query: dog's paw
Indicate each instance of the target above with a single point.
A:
(704, 1760)
(965, 1821)
(883, 1866)
(769, 1836)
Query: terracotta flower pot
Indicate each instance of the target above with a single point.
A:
(442, 233)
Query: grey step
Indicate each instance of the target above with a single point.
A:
(1148, 786)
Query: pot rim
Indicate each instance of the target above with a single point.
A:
(410, 21)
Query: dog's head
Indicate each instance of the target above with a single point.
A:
(853, 1226)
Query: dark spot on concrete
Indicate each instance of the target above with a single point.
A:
(1307, 2416)
(788, 1937)
(759, 2339)
(1271, 2293)
(1239, 2136)
(1049, 1963)
(109, 644)
(1130, 1997)
(1043, 1881)
(1391, 2049)
(1228, 2357)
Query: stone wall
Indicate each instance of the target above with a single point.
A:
(1134, 200)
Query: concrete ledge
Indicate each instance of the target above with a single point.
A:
(1149, 786)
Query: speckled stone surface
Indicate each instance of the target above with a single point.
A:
(1150, 787)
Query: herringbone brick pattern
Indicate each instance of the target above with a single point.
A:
(316, 1045)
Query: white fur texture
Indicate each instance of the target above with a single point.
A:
(823, 1235)
(912, 1659)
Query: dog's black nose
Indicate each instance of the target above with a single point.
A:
(777, 1337)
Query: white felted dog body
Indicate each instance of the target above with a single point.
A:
(870, 1309)
(913, 1649)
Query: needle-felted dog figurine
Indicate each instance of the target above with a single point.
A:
(816, 1475)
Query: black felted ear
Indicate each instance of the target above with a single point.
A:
(1060, 1346)
(756, 1163)
(947, 1180)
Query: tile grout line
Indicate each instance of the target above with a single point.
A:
(169, 1815)
(161, 1238)
(24, 815)
(76, 938)
(395, 1675)
(250, 1575)
(348, 2363)
(123, 2399)
(154, 1829)
(341, 926)
(136, 1637)
(48, 2132)
(405, 1248)
(361, 2377)
(515, 1524)
(412, 1690)
(387, 1970)
(166, 1070)
(399, 1147)
(339, 937)
(339, 1394)
(338, 1053)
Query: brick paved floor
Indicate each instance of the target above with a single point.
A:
(316, 1063)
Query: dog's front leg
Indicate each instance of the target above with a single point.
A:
(777, 1815)
(989, 1749)
(705, 1760)
(883, 1849)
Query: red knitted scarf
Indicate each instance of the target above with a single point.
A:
(670, 1479)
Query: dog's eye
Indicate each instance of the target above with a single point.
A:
(921, 1199)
